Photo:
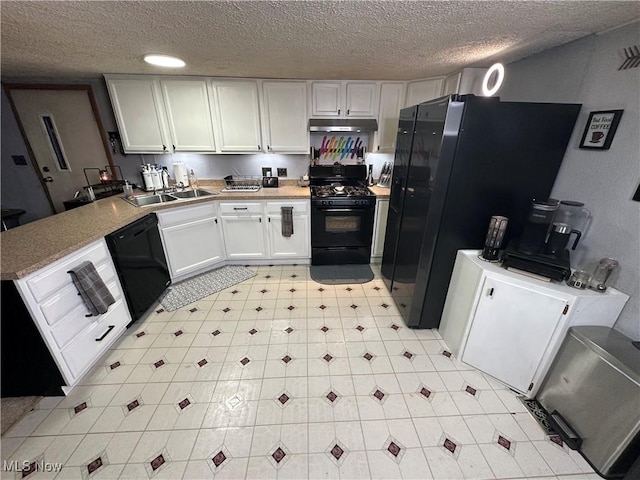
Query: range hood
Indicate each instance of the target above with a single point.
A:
(343, 125)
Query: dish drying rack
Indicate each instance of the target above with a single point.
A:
(242, 183)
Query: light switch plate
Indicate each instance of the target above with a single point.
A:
(282, 172)
(266, 171)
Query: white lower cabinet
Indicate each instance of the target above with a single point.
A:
(192, 239)
(380, 227)
(75, 339)
(298, 244)
(243, 230)
(510, 326)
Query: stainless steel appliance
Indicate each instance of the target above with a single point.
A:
(342, 214)
(594, 384)
(140, 262)
(460, 160)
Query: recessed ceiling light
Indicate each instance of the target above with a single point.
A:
(498, 69)
(164, 61)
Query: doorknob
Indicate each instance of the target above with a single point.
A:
(47, 179)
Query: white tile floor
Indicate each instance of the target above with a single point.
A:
(281, 377)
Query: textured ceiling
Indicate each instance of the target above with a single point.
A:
(305, 39)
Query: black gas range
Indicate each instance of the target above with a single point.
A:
(342, 215)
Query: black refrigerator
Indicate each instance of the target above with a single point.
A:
(458, 161)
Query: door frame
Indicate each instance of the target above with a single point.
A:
(8, 87)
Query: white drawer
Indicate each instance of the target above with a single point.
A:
(86, 348)
(273, 208)
(237, 208)
(177, 216)
(76, 320)
(55, 275)
(66, 299)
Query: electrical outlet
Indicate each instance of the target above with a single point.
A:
(266, 171)
(282, 172)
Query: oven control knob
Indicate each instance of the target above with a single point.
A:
(323, 202)
(330, 202)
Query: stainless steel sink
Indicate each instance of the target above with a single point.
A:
(144, 200)
(192, 193)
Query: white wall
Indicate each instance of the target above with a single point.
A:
(586, 72)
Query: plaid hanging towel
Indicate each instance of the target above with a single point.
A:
(287, 221)
(94, 292)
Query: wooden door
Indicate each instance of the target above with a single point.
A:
(62, 131)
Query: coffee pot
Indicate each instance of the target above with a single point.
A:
(575, 215)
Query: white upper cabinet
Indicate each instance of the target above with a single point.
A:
(188, 115)
(391, 96)
(452, 84)
(326, 99)
(285, 116)
(137, 105)
(343, 99)
(423, 90)
(237, 115)
(361, 99)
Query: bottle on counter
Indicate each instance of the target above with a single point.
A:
(180, 174)
(146, 178)
(156, 178)
(193, 181)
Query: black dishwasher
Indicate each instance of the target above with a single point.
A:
(140, 262)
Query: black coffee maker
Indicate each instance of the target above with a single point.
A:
(541, 249)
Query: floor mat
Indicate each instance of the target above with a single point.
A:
(341, 274)
(539, 413)
(193, 289)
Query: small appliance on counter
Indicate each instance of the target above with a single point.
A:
(542, 248)
(270, 182)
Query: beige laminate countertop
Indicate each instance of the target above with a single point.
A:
(381, 192)
(35, 245)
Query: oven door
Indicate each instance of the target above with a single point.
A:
(342, 226)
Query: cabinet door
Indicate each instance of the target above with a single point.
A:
(511, 330)
(285, 113)
(192, 246)
(295, 246)
(243, 236)
(390, 105)
(361, 100)
(382, 211)
(326, 99)
(424, 90)
(188, 115)
(140, 115)
(452, 84)
(238, 116)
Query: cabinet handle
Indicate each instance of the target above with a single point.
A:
(215, 220)
(347, 111)
(378, 147)
(491, 292)
(268, 147)
(260, 219)
(240, 208)
(338, 111)
(164, 148)
(174, 147)
(269, 219)
(111, 327)
(258, 147)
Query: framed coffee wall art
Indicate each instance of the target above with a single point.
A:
(600, 129)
